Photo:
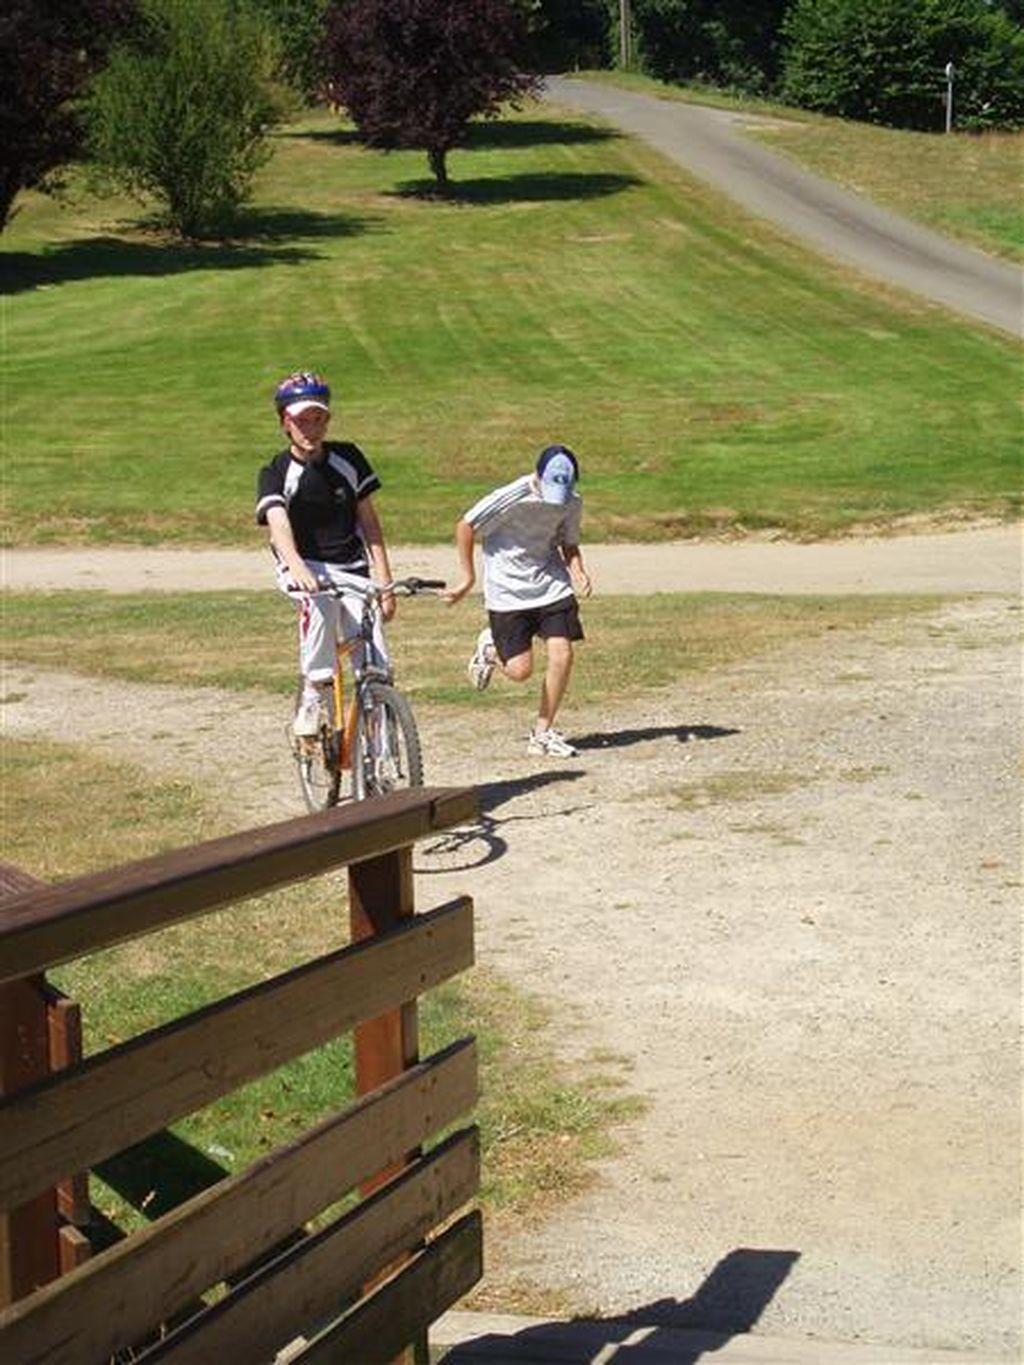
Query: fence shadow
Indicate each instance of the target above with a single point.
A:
(621, 739)
(476, 845)
(684, 1331)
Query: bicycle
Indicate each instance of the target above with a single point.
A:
(372, 736)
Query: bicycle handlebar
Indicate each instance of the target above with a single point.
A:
(366, 588)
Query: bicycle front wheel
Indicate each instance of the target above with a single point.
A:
(387, 755)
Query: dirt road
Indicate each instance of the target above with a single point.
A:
(780, 904)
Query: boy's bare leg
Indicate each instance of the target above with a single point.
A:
(519, 667)
(556, 680)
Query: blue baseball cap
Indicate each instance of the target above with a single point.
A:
(557, 469)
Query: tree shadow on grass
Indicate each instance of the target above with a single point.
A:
(487, 133)
(532, 133)
(258, 240)
(336, 137)
(537, 187)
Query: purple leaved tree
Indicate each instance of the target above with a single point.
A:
(414, 73)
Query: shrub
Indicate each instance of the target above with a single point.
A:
(883, 61)
(181, 111)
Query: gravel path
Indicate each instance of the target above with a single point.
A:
(843, 225)
(781, 904)
(977, 559)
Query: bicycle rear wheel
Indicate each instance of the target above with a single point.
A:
(387, 754)
(316, 758)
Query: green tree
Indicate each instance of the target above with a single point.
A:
(884, 61)
(733, 43)
(567, 34)
(298, 28)
(181, 111)
(49, 49)
(414, 73)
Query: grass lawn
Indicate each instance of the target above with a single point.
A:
(969, 185)
(576, 288)
(67, 811)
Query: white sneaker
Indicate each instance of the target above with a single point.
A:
(550, 743)
(307, 718)
(484, 660)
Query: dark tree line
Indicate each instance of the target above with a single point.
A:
(414, 73)
(49, 50)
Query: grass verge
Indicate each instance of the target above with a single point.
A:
(245, 640)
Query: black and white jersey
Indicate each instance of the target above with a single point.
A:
(320, 499)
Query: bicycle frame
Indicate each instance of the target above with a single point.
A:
(344, 719)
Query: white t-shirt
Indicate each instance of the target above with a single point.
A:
(521, 535)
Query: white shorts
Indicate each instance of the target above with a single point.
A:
(323, 618)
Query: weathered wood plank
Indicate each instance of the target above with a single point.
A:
(80, 1116)
(309, 1282)
(123, 1292)
(404, 1307)
(51, 924)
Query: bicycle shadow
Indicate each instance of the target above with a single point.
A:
(621, 739)
(476, 845)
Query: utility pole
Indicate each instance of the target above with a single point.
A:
(624, 53)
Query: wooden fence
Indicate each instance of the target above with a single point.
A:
(361, 1288)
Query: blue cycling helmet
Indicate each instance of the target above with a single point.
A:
(302, 388)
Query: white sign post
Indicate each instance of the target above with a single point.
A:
(950, 77)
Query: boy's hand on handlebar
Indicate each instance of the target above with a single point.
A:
(388, 605)
(305, 580)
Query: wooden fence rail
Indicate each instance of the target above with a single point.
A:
(367, 1284)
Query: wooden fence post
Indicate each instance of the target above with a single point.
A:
(28, 1233)
(381, 896)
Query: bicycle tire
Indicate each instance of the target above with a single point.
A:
(387, 755)
(316, 761)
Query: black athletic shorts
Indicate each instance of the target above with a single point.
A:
(513, 631)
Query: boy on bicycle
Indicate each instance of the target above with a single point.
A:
(314, 497)
(529, 531)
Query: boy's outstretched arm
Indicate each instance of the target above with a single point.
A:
(574, 563)
(464, 542)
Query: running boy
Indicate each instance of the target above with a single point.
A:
(530, 533)
(314, 498)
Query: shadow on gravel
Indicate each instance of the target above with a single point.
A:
(683, 1331)
(480, 843)
(621, 739)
